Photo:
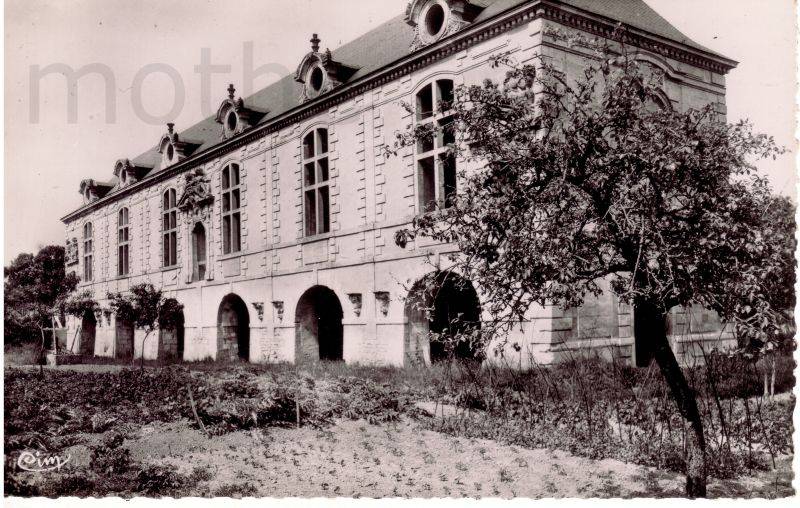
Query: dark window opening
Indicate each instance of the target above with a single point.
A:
(316, 183)
(231, 210)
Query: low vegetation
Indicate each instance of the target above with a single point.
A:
(586, 407)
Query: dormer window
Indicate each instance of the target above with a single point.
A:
(434, 20)
(92, 190)
(234, 116)
(319, 72)
(128, 173)
(172, 148)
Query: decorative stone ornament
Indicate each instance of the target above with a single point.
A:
(259, 306)
(278, 306)
(382, 297)
(234, 116)
(436, 19)
(71, 252)
(196, 192)
(356, 302)
(320, 73)
(172, 148)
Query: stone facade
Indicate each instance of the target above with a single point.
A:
(281, 251)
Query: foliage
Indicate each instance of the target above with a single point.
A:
(139, 306)
(572, 181)
(145, 307)
(81, 303)
(578, 180)
(601, 409)
(35, 287)
(586, 406)
(170, 314)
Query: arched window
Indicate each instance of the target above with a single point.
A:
(169, 228)
(436, 168)
(316, 190)
(123, 242)
(231, 210)
(88, 250)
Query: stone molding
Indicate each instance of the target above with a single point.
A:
(466, 38)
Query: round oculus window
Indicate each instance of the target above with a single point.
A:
(434, 20)
(316, 79)
(231, 121)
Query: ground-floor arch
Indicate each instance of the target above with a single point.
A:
(318, 326)
(88, 333)
(171, 339)
(233, 329)
(441, 305)
(123, 334)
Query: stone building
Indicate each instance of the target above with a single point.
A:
(273, 221)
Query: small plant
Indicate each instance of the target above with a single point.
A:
(236, 491)
(506, 476)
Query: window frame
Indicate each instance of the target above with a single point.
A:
(88, 252)
(169, 228)
(230, 188)
(123, 242)
(316, 191)
(433, 165)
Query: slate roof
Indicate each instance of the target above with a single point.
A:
(391, 42)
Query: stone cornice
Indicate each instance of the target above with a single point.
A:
(603, 27)
(470, 36)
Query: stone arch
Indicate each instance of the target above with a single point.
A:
(88, 332)
(440, 303)
(123, 333)
(171, 340)
(318, 326)
(233, 329)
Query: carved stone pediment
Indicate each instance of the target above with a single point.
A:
(71, 252)
(196, 192)
(320, 73)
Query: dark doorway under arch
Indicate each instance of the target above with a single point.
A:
(318, 326)
(441, 304)
(123, 333)
(171, 340)
(233, 329)
(88, 332)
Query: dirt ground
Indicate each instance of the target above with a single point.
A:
(356, 459)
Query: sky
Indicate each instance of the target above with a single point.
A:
(150, 49)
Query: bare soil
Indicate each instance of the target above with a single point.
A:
(356, 459)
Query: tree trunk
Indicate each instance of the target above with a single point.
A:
(682, 394)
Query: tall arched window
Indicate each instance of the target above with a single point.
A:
(231, 210)
(316, 190)
(88, 250)
(436, 168)
(123, 242)
(169, 228)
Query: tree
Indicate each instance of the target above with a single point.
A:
(35, 288)
(577, 180)
(146, 308)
